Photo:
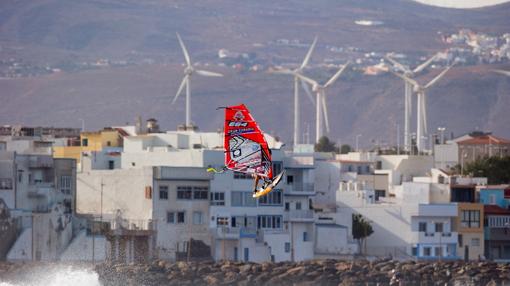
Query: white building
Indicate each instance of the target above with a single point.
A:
(39, 191)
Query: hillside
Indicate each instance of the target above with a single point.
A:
(62, 33)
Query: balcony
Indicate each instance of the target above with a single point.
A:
(434, 237)
(299, 162)
(40, 189)
(298, 216)
(40, 162)
(436, 210)
(500, 221)
(227, 233)
(305, 189)
(127, 227)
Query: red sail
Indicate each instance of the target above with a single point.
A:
(245, 145)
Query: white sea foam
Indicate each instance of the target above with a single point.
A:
(63, 276)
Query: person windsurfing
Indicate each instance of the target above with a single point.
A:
(247, 151)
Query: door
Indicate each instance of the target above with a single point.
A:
(466, 253)
(246, 254)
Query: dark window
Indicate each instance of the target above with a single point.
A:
(170, 217)
(426, 251)
(200, 193)
(108, 143)
(460, 240)
(217, 199)
(305, 236)
(470, 218)
(422, 227)
(184, 193)
(287, 206)
(274, 198)
(379, 194)
(290, 179)
(243, 176)
(277, 168)
(111, 164)
(298, 205)
(180, 217)
(439, 227)
(287, 247)
(85, 142)
(163, 192)
(414, 251)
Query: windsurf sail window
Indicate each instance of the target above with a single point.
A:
(246, 149)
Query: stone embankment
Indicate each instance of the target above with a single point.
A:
(316, 272)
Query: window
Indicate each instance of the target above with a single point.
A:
(379, 193)
(305, 236)
(475, 242)
(426, 251)
(298, 205)
(269, 221)
(287, 206)
(111, 165)
(414, 251)
(108, 143)
(197, 218)
(470, 218)
(180, 217)
(217, 199)
(359, 169)
(184, 193)
(290, 179)
(422, 227)
(20, 175)
(492, 199)
(242, 199)
(287, 247)
(349, 168)
(5, 183)
(163, 192)
(277, 168)
(195, 193)
(85, 142)
(274, 198)
(243, 176)
(200, 193)
(65, 184)
(170, 217)
(222, 221)
(460, 240)
(439, 227)
(438, 251)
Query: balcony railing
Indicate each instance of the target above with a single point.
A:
(499, 221)
(300, 188)
(41, 162)
(40, 189)
(299, 215)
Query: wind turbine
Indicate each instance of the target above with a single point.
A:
(297, 81)
(503, 72)
(189, 70)
(408, 91)
(421, 105)
(321, 106)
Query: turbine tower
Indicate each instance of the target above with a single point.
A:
(321, 106)
(408, 91)
(421, 105)
(297, 81)
(189, 70)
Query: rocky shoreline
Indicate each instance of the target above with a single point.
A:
(316, 272)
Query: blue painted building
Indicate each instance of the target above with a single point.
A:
(495, 195)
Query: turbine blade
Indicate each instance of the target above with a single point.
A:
(438, 77)
(425, 64)
(309, 54)
(503, 72)
(397, 64)
(304, 78)
(325, 111)
(183, 47)
(208, 73)
(181, 87)
(405, 78)
(307, 91)
(335, 77)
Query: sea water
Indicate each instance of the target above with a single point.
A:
(57, 276)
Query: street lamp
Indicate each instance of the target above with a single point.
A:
(357, 142)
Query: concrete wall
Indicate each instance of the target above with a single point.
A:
(81, 248)
(333, 239)
(7, 178)
(123, 193)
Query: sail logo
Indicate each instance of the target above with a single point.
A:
(238, 116)
(237, 124)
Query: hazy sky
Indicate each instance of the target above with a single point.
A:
(462, 3)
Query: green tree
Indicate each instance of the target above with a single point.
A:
(325, 145)
(361, 229)
(496, 169)
(345, 148)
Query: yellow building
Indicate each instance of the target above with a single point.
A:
(470, 228)
(90, 141)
